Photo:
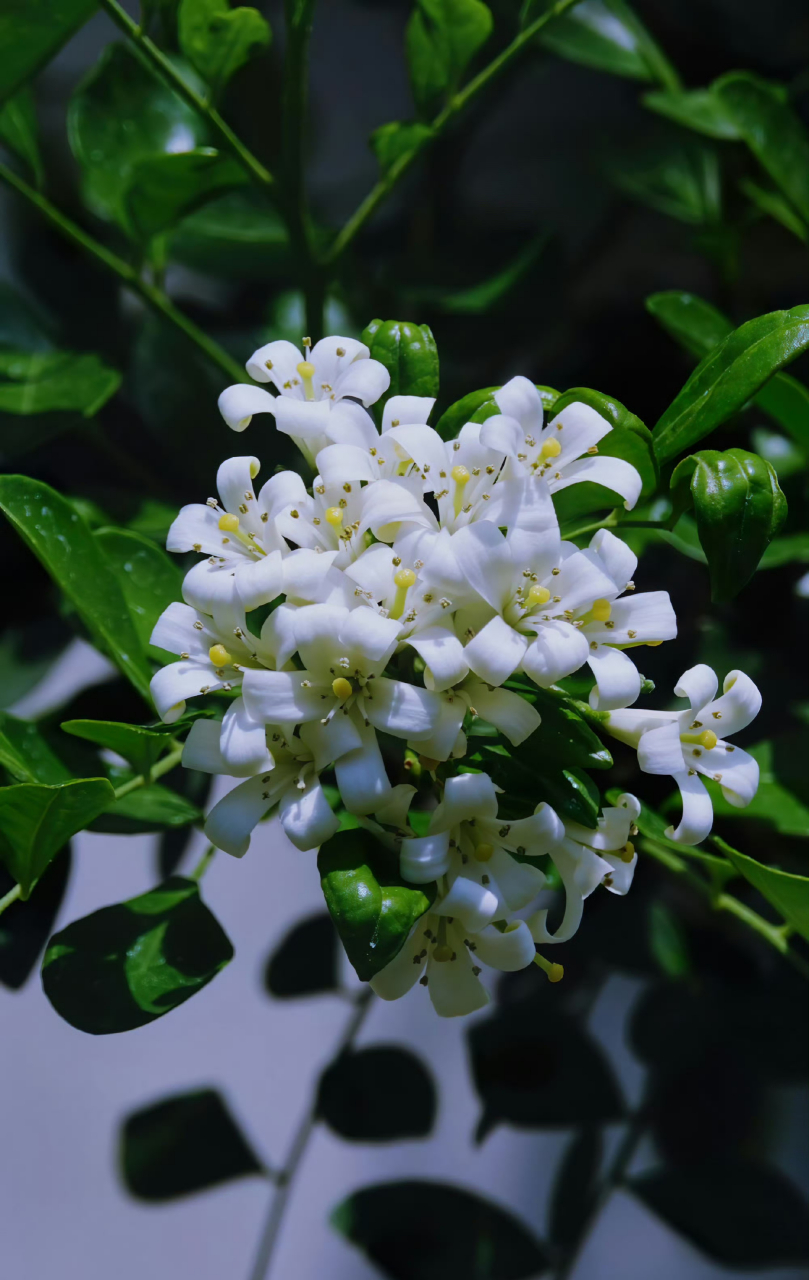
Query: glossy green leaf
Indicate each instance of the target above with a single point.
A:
(163, 189)
(699, 327)
(152, 808)
(568, 790)
(373, 909)
(377, 1094)
(740, 1214)
(477, 406)
(776, 206)
(739, 508)
(149, 580)
(36, 821)
(574, 1187)
(699, 109)
(629, 439)
(729, 376)
(306, 963)
(487, 295)
(32, 32)
(409, 354)
(26, 926)
(69, 551)
(441, 39)
(788, 893)
(18, 131)
(420, 1230)
(43, 382)
(682, 182)
(606, 35)
(128, 964)
(771, 130)
(237, 235)
(538, 1069)
(392, 141)
(137, 744)
(25, 753)
(217, 40)
(564, 738)
(122, 114)
(183, 1144)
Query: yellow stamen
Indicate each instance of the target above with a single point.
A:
(483, 852)
(551, 449)
(404, 579)
(601, 610)
(538, 595)
(334, 515)
(555, 972)
(229, 524)
(341, 688)
(219, 655)
(307, 372)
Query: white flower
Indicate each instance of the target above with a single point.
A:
(312, 385)
(586, 858)
(687, 743)
(547, 608)
(513, 715)
(327, 520)
(563, 452)
(450, 955)
(344, 654)
(290, 780)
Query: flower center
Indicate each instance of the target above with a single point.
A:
(306, 370)
(219, 656)
(230, 525)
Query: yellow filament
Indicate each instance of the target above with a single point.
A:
(341, 688)
(551, 449)
(219, 655)
(538, 595)
(229, 524)
(601, 610)
(334, 515)
(483, 852)
(307, 372)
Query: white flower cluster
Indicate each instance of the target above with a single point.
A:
(406, 586)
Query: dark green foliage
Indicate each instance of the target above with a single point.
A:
(377, 1094)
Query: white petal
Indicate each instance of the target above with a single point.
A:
(485, 559)
(405, 710)
(698, 684)
(342, 463)
(443, 738)
(259, 582)
(660, 750)
(507, 951)
(496, 652)
(393, 812)
(613, 473)
(209, 587)
(278, 635)
(179, 681)
(175, 632)
(364, 380)
(307, 575)
(406, 410)
(196, 528)
(512, 715)
(366, 637)
(424, 446)
(284, 489)
(558, 650)
(278, 697)
(520, 399)
(234, 481)
(238, 403)
(230, 823)
(628, 725)
(577, 428)
(403, 971)
(243, 742)
(525, 505)
(361, 777)
(453, 987)
(734, 769)
(306, 420)
(424, 859)
(739, 705)
(518, 882)
(444, 655)
(327, 742)
(697, 818)
(386, 505)
(649, 616)
(617, 558)
(470, 902)
(503, 434)
(306, 815)
(536, 834)
(617, 678)
(201, 748)
(581, 580)
(331, 366)
(349, 423)
(581, 871)
(275, 362)
(623, 873)
(469, 795)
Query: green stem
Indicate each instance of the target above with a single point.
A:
(165, 765)
(300, 1141)
(453, 108)
(8, 898)
(295, 105)
(203, 864)
(154, 298)
(171, 76)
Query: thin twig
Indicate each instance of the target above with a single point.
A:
(284, 1178)
(453, 108)
(167, 72)
(11, 896)
(203, 864)
(154, 298)
(143, 779)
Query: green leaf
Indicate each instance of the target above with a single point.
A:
(776, 206)
(26, 926)
(120, 115)
(772, 803)
(442, 37)
(740, 1214)
(34, 382)
(739, 508)
(182, 1144)
(606, 35)
(667, 941)
(149, 580)
(771, 130)
(564, 738)
(409, 354)
(574, 1187)
(238, 235)
(373, 909)
(392, 141)
(37, 820)
(32, 32)
(139, 745)
(794, 547)
(18, 130)
(420, 1230)
(682, 182)
(217, 40)
(788, 893)
(482, 297)
(377, 1094)
(568, 790)
(25, 753)
(129, 964)
(699, 327)
(306, 962)
(163, 189)
(729, 376)
(477, 406)
(69, 551)
(698, 109)
(151, 808)
(629, 439)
